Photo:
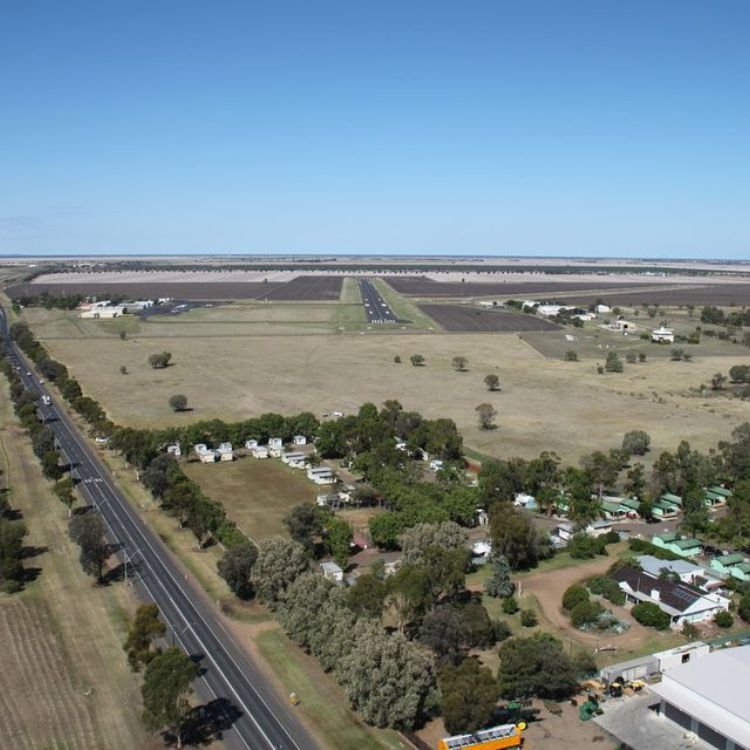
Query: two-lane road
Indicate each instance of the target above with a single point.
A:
(265, 722)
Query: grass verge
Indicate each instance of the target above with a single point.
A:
(321, 701)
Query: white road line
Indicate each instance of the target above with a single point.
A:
(179, 611)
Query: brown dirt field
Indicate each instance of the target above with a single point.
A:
(421, 286)
(457, 318)
(308, 288)
(722, 295)
(299, 289)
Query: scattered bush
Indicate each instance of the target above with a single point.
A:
(571, 356)
(510, 605)
(651, 616)
(584, 613)
(574, 595)
(607, 588)
(529, 618)
(724, 619)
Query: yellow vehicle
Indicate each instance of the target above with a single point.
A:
(293, 699)
(497, 738)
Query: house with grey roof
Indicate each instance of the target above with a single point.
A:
(681, 601)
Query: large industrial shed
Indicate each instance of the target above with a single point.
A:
(709, 698)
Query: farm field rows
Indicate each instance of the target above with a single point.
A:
(543, 404)
(64, 681)
(257, 494)
(462, 318)
(708, 294)
(300, 288)
(422, 286)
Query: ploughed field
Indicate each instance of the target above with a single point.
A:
(721, 295)
(581, 292)
(471, 319)
(421, 286)
(301, 288)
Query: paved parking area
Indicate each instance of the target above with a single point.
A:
(634, 723)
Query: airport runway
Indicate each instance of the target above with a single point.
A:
(376, 307)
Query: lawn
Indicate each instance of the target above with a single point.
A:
(257, 494)
(65, 681)
(321, 700)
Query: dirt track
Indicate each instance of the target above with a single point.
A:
(548, 589)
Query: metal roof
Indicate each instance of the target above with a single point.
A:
(714, 691)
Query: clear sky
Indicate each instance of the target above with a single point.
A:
(466, 127)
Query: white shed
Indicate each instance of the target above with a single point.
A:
(251, 444)
(174, 450)
(299, 440)
(275, 443)
(260, 451)
(332, 571)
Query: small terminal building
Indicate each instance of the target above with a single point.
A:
(708, 697)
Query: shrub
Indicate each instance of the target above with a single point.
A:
(646, 548)
(529, 618)
(571, 356)
(650, 615)
(502, 630)
(510, 605)
(584, 613)
(607, 588)
(584, 547)
(724, 619)
(574, 595)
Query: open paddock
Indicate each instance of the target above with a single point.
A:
(257, 493)
(473, 319)
(543, 404)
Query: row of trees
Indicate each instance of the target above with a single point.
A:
(183, 499)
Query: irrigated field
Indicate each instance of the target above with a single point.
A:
(258, 494)
(544, 404)
(64, 681)
(473, 319)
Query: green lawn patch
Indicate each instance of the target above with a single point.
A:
(257, 494)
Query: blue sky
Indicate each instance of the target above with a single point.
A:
(468, 127)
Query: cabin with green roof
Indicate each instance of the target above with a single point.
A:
(734, 564)
(682, 546)
(612, 510)
(667, 506)
(716, 496)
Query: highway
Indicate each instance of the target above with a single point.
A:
(259, 719)
(376, 307)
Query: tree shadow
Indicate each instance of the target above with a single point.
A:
(29, 575)
(206, 724)
(29, 551)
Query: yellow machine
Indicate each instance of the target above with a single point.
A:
(497, 738)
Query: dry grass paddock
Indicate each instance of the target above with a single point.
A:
(257, 494)
(228, 372)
